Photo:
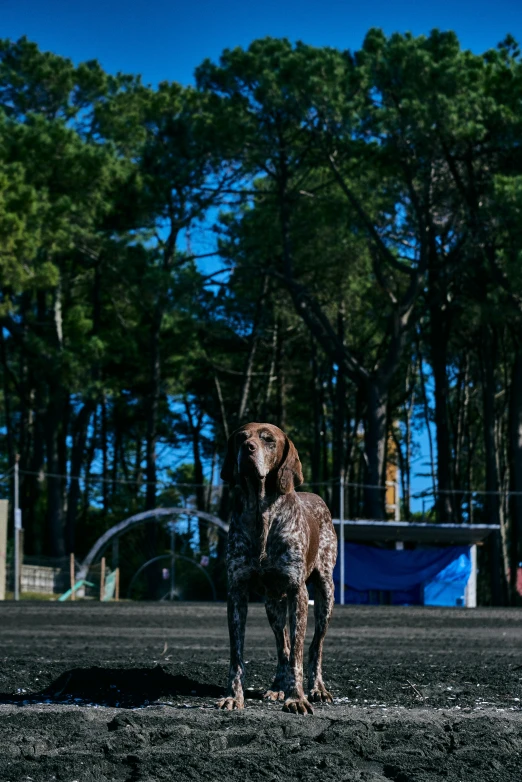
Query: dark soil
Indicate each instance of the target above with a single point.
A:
(92, 691)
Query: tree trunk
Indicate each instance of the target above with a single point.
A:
(152, 414)
(105, 454)
(325, 450)
(117, 436)
(515, 442)
(316, 412)
(195, 423)
(32, 485)
(271, 375)
(254, 339)
(439, 360)
(427, 421)
(55, 483)
(339, 404)
(88, 464)
(375, 448)
(487, 353)
(137, 469)
(150, 445)
(281, 381)
(200, 488)
(77, 458)
(7, 401)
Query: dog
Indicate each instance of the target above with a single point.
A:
(278, 542)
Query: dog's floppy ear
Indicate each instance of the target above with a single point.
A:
(228, 471)
(290, 472)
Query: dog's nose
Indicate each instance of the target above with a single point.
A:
(250, 444)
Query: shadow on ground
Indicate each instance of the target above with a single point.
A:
(120, 687)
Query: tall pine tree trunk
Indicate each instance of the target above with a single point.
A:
(339, 421)
(55, 483)
(375, 449)
(316, 412)
(81, 427)
(439, 362)
(152, 412)
(487, 353)
(515, 442)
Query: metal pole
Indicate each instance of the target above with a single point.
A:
(72, 579)
(471, 586)
(102, 579)
(172, 561)
(341, 539)
(17, 528)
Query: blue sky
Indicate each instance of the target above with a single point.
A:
(167, 40)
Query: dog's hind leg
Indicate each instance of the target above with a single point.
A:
(323, 606)
(277, 611)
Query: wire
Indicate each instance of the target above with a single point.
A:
(5, 476)
(101, 479)
(331, 482)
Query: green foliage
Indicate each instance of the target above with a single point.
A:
(366, 209)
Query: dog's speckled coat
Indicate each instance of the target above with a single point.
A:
(278, 541)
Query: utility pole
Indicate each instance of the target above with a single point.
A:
(17, 527)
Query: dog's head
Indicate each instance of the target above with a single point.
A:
(259, 451)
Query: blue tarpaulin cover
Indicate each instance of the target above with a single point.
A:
(448, 587)
(368, 568)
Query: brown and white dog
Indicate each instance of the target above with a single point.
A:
(278, 542)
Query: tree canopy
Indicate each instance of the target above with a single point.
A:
(328, 240)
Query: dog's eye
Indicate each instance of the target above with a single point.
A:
(267, 439)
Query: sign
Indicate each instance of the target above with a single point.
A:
(18, 518)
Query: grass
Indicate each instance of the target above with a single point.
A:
(31, 596)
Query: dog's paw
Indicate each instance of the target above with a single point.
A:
(320, 694)
(229, 704)
(297, 705)
(274, 695)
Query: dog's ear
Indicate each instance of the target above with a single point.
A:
(290, 472)
(228, 471)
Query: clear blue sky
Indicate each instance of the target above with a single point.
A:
(167, 40)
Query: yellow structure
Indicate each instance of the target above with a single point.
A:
(392, 481)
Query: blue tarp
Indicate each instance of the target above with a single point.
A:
(448, 587)
(412, 576)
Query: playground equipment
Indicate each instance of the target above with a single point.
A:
(169, 518)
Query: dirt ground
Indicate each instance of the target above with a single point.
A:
(126, 692)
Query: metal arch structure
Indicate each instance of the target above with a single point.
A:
(169, 556)
(136, 521)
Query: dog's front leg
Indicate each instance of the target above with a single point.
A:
(295, 700)
(237, 607)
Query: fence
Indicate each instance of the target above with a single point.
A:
(41, 575)
(54, 577)
(346, 501)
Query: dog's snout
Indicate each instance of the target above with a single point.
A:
(251, 445)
